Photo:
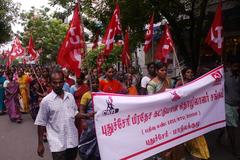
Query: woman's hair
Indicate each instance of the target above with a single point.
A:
(185, 70)
(108, 67)
(159, 65)
(149, 64)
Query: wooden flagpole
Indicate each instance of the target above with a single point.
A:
(37, 77)
(153, 40)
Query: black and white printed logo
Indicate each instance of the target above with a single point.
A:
(110, 109)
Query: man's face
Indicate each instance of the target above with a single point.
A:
(95, 86)
(57, 83)
(151, 69)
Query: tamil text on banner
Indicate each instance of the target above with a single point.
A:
(137, 127)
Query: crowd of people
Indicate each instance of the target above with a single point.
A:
(61, 105)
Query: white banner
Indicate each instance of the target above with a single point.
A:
(137, 127)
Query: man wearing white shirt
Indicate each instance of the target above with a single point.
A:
(147, 78)
(57, 113)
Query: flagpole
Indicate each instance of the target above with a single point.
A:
(153, 40)
(82, 25)
(37, 77)
(175, 54)
(152, 48)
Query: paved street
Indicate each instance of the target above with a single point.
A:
(19, 142)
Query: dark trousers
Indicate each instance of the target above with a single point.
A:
(233, 134)
(68, 154)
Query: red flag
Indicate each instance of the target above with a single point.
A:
(125, 52)
(215, 35)
(165, 45)
(113, 29)
(17, 49)
(95, 42)
(31, 50)
(72, 49)
(149, 36)
(10, 58)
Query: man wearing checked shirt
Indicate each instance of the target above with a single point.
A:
(57, 113)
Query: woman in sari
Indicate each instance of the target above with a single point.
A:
(88, 147)
(81, 88)
(157, 85)
(197, 147)
(2, 79)
(109, 84)
(132, 89)
(160, 82)
(12, 99)
(37, 92)
(23, 81)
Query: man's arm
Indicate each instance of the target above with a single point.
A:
(40, 149)
(41, 122)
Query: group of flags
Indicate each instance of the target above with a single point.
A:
(73, 49)
(165, 45)
(18, 51)
(71, 54)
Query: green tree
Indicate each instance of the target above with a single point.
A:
(47, 33)
(91, 58)
(8, 12)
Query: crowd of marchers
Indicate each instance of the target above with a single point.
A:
(60, 104)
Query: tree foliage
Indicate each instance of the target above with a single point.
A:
(90, 61)
(186, 18)
(8, 12)
(47, 33)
